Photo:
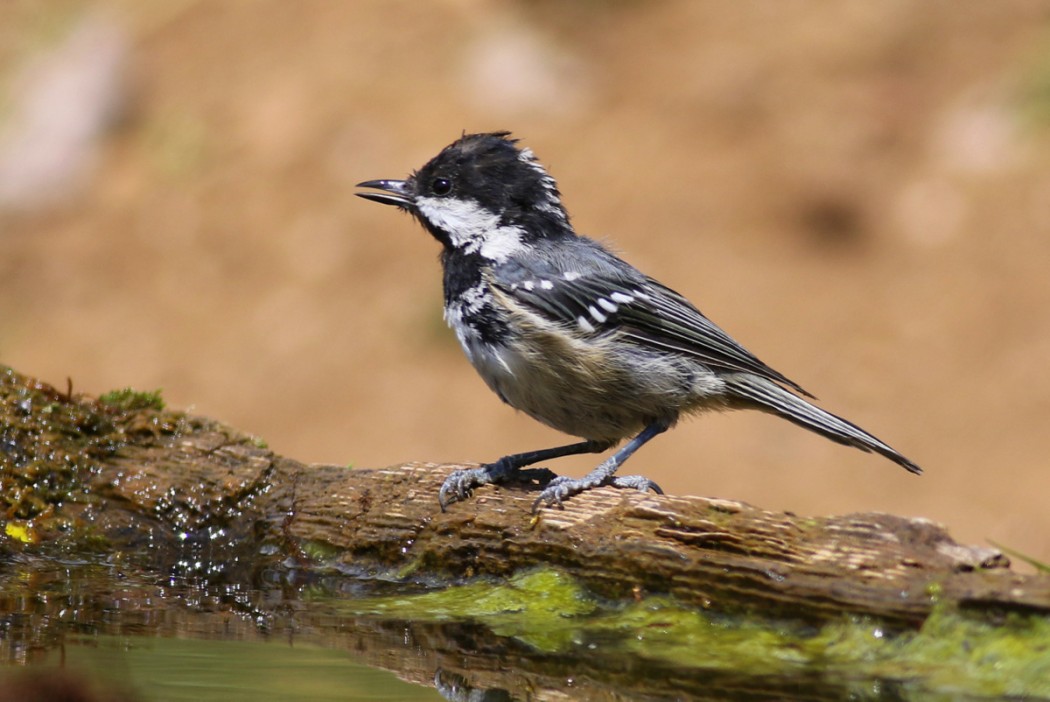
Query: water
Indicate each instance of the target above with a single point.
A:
(121, 634)
(227, 670)
(101, 629)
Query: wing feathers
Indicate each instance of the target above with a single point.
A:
(619, 298)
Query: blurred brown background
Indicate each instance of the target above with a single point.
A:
(859, 192)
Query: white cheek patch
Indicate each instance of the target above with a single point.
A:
(471, 227)
(463, 219)
(501, 243)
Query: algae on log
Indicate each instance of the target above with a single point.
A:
(145, 474)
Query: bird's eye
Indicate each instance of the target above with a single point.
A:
(441, 186)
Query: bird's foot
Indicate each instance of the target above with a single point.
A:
(460, 484)
(561, 488)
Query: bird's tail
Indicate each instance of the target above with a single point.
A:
(770, 397)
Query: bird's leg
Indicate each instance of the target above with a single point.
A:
(564, 487)
(462, 482)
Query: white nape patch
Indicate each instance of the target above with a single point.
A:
(501, 243)
(584, 324)
(622, 298)
(571, 276)
(610, 307)
(546, 285)
(471, 228)
(552, 205)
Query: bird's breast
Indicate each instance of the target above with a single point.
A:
(592, 386)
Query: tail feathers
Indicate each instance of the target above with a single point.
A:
(770, 397)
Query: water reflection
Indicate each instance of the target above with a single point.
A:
(120, 634)
(193, 670)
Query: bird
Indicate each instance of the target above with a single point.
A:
(566, 331)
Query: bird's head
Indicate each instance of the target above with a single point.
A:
(480, 194)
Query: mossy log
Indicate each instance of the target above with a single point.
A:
(715, 554)
(144, 474)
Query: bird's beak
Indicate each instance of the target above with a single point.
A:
(395, 192)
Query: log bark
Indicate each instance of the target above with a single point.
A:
(715, 554)
(195, 484)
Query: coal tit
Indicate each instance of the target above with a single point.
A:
(570, 334)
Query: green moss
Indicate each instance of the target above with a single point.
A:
(406, 571)
(48, 445)
(540, 608)
(319, 551)
(951, 652)
(547, 610)
(934, 590)
(52, 442)
(131, 399)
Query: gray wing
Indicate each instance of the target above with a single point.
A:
(606, 294)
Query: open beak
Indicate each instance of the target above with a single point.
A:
(394, 192)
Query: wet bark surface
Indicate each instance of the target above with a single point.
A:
(138, 474)
(715, 554)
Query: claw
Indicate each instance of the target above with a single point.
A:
(560, 489)
(638, 482)
(461, 483)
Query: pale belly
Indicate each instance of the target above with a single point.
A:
(583, 388)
